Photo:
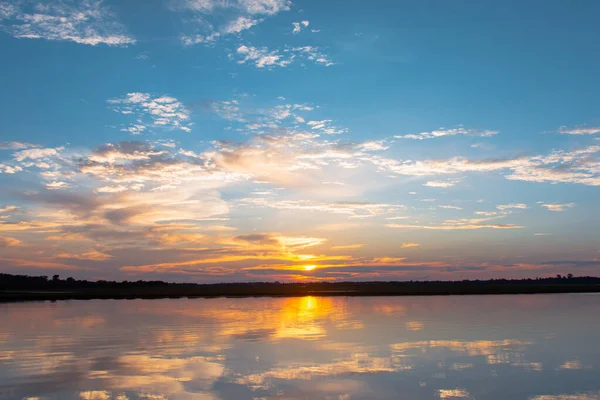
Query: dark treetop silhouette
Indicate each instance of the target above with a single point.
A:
(23, 287)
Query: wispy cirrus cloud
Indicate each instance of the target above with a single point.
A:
(208, 20)
(17, 145)
(511, 206)
(455, 226)
(87, 22)
(311, 53)
(579, 130)
(448, 132)
(448, 207)
(577, 166)
(557, 207)
(352, 209)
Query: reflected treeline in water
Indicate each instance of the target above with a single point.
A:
(537, 347)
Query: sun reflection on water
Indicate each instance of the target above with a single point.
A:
(265, 348)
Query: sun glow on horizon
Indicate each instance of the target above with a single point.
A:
(310, 267)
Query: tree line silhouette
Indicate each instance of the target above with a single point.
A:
(24, 287)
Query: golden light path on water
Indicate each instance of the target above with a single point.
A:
(330, 348)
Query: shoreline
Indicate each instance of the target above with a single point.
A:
(9, 296)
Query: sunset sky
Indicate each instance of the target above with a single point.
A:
(252, 140)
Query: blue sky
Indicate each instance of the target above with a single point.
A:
(269, 139)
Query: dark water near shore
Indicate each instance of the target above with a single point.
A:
(542, 347)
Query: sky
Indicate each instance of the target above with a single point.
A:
(279, 140)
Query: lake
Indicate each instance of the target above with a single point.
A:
(538, 347)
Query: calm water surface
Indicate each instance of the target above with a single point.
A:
(542, 347)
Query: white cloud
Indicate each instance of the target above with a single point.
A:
(298, 26)
(163, 111)
(579, 130)
(9, 169)
(325, 127)
(240, 24)
(448, 132)
(557, 207)
(578, 166)
(190, 40)
(111, 189)
(261, 57)
(86, 22)
(35, 154)
(312, 53)
(375, 145)
(511, 206)
(57, 185)
(213, 19)
(443, 184)
(486, 213)
(450, 207)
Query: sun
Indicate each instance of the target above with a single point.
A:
(309, 267)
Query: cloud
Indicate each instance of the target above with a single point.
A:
(374, 145)
(511, 206)
(349, 246)
(9, 242)
(451, 207)
(261, 57)
(190, 40)
(443, 184)
(240, 24)
(456, 227)
(92, 255)
(578, 166)
(280, 241)
(85, 22)
(448, 132)
(453, 394)
(164, 111)
(353, 209)
(486, 213)
(35, 154)
(579, 130)
(313, 54)
(17, 145)
(325, 127)
(409, 245)
(459, 224)
(251, 7)
(213, 19)
(294, 159)
(298, 26)
(117, 188)
(57, 185)
(558, 207)
(9, 169)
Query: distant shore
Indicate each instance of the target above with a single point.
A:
(26, 288)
